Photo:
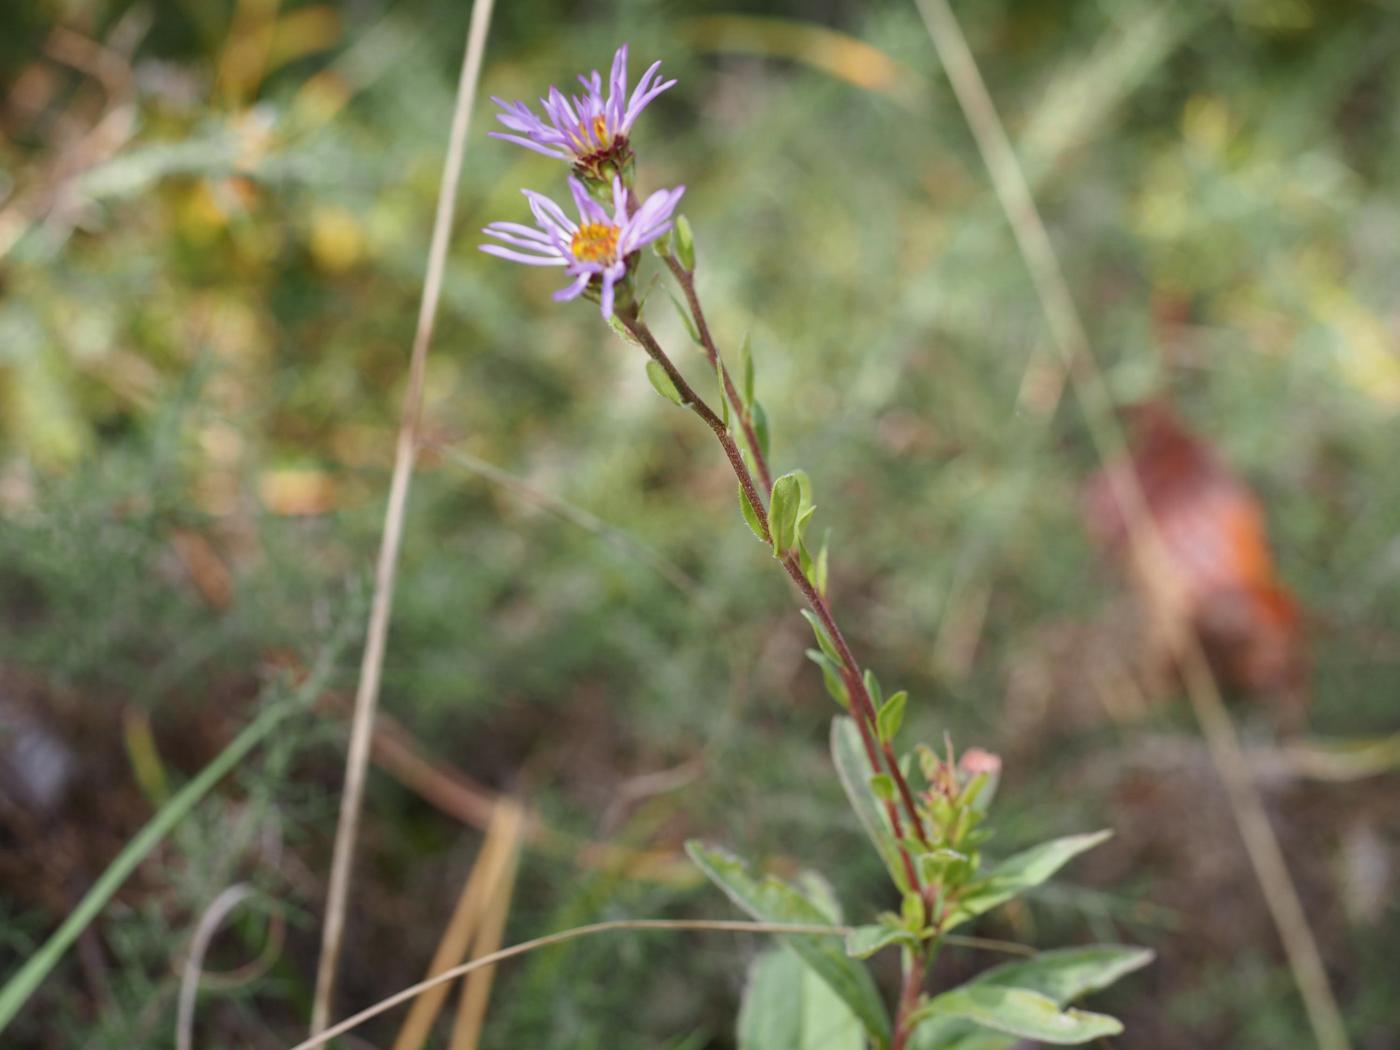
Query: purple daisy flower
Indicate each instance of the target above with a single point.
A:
(587, 129)
(598, 246)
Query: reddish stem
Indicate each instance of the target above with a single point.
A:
(916, 965)
(862, 704)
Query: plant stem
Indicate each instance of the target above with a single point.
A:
(851, 671)
(862, 705)
(696, 404)
(686, 279)
(915, 967)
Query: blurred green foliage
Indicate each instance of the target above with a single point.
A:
(212, 235)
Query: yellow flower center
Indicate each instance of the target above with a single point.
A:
(595, 242)
(583, 145)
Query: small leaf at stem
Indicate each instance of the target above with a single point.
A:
(803, 517)
(746, 369)
(685, 243)
(819, 567)
(891, 716)
(723, 398)
(663, 384)
(751, 516)
(823, 639)
(831, 678)
(864, 941)
(615, 323)
(783, 510)
(882, 784)
(686, 319)
(760, 427)
(848, 755)
(872, 686)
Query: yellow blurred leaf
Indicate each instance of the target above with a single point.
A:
(336, 241)
(297, 492)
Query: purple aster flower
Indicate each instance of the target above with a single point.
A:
(587, 129)
(599, 245)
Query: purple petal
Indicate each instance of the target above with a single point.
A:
(606, 303)
(574, 290)
(641, 95)
(549, 214)
(617, 90)
(521, 257)
(619, 201)
(539, 242)
(529, 144)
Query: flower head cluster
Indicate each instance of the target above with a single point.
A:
(588, 129)
(600, 245)
(599, 251)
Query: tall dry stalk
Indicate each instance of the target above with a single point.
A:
(406, 451)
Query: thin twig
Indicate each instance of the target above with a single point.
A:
(209, 924)
(447, 976)
(524, 947)
(1072, 342)
(367, 696)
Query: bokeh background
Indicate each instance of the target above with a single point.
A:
(214, 217)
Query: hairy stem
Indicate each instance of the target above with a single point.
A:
(915, 967)
(855, 679)
(686, 279)
(696, 404)
(881, 757)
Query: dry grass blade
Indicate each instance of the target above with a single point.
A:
(494, 865)
(471, 1011)
(1072, 343)
(367, 695)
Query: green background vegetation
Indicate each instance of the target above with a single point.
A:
(204, 322)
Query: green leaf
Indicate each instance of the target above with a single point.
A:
(831, 678)
(686, 319)
(1018, 1012)
(1063, 975)
(803, 517)
(621, 329)
(891, 715)
(787, 1007)
(823, 639)
(864, 941)
(872, 686)
(1021, 872)
(760, 427)
(746, 369)
(685, 243)
(662, 382)
(852, 768)
(750, 515)
(1067, 973)
(783, 509)
(773, 900)
(882, 784)
(723, 399)
(819, 568)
